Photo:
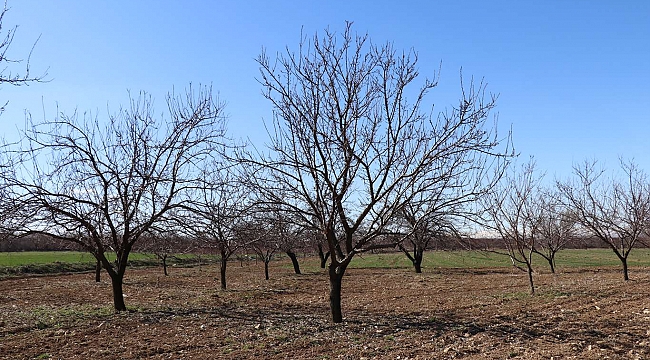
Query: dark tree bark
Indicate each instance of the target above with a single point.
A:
(530, 278)
(336, 273)
(266, 269)
(417, 260)
(98, 271)
(294, 261)
(222, 269)
(626, 275)
(416, 257)
(322, 256)
(551, 263)
(118, 293)
(163, 258)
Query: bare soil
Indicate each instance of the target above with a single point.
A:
(389, 314)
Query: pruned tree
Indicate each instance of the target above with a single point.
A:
(615, 211)
(164, 244)
(350, 144)
(292, 242)
(285, 232)
(428, 218)
(104, 184)
(273, 231)
(511, 211)
(222, 210)
(265, 248)
(556, 226)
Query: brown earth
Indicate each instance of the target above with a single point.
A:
(389, 313)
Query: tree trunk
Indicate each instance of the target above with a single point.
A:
(530, 279)
(417, 260)
(266, 269)
(98, 271)
(118, 293)
(551, 263)
(418, 266)
(625, 273)
(164, 263)
(294, 261)
(336, 272)
(323, 256)
(224, 265)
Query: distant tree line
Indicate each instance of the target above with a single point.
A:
(308, 246)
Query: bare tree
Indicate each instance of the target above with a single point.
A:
(556, 226)
(223, 212)
(265, 247)
(616, 212)
(350, 144)
(292, 242)
(272, 231)
(104, 185)
(429, 218)
(285, 232)
(164, 243)
(512, 212)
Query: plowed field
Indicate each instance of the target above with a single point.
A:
(389, 314)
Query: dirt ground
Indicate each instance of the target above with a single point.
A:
(389, 314)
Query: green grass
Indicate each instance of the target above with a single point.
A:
(12, 259)
(572, 258)
(50, 262)
(600, 257)
(67, 261)
(432, 259)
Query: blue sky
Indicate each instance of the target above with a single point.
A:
(573, 77)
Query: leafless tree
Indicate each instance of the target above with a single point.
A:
(512, 212)
(350, 143)
(223, 211)
(556, 226)
(285, 232)
(429, 218)
(163, 243)
(614, 211)
(265, 248)
(104, 185)
(293, 241)
(272, 231)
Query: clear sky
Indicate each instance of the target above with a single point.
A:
(573, 76)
